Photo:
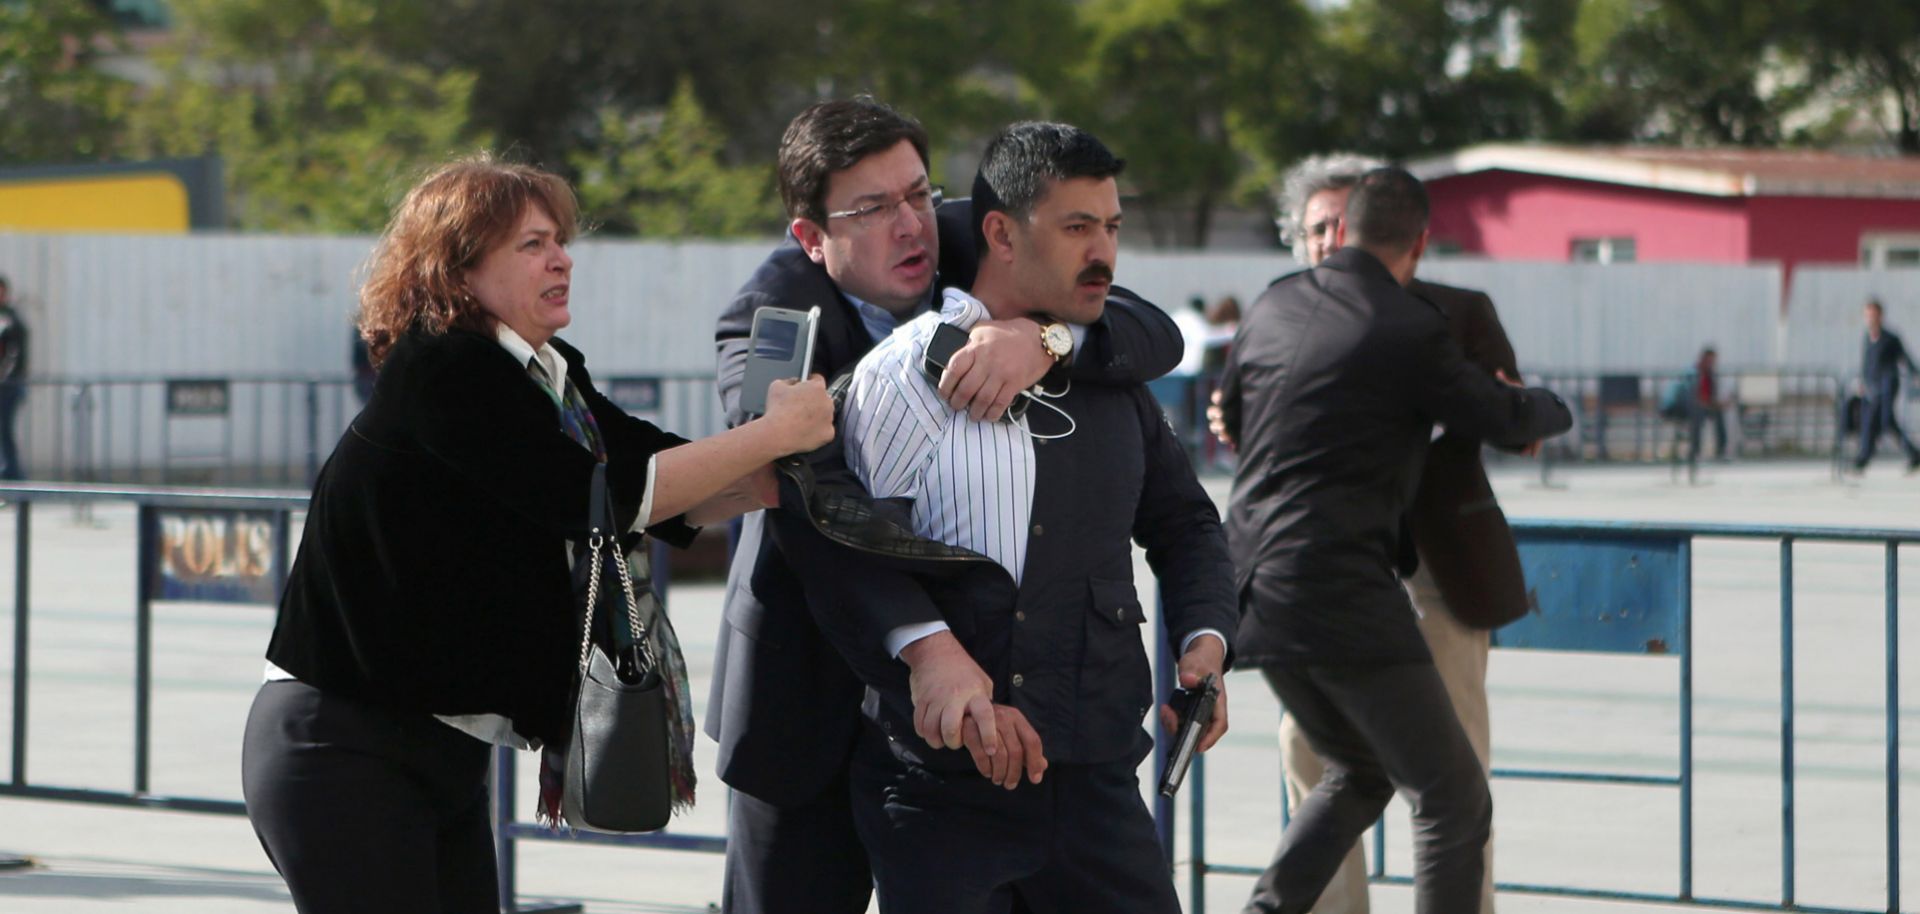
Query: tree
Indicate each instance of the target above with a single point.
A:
(1173, 86)
(1869, 53)
(55, 105)
(1696, 72)
(962, 70)
(1444, 84)
(662, 176)
(318, 132)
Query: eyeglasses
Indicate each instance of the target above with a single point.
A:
(923, 201)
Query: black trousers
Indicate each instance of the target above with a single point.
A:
(795, 859)
(953, 843)
(1877, 414)
(1698, 415)
(1380, 727)
(364, 809)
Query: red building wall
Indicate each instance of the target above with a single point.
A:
(1797, 230)
(1515, 216)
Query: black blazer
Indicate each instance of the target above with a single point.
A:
(432, 575)
(1336, 377)
(1065, 646)
(785, 707)
(1456, 524)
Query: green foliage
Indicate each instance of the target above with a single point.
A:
(963, 69)
(1869, 55)
(1679, 71)
(318, 131)
(1173, 85)
(668, 112)
(661, 175)
(55, 105)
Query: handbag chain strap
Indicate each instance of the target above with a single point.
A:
(634, 625)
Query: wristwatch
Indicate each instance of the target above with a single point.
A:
(1057, 340)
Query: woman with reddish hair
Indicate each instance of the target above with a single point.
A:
(429, 612)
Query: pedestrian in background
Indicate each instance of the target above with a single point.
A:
(13, 382)
(1882, 354)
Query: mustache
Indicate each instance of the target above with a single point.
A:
(1096, 272)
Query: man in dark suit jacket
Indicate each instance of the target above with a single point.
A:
(1050, 624)
(1336, 380)
(785, 708)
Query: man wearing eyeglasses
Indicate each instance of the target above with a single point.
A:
(1041, 603)
(865, 245)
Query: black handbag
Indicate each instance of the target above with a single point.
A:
(618, 757)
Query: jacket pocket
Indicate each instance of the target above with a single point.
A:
(1117, 602)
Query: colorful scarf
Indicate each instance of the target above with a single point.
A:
(576, 419)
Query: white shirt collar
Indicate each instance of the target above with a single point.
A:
(551, 361)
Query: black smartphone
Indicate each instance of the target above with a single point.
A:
(1194, 707)
(947, 340)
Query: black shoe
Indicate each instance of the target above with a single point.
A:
(1913, 464)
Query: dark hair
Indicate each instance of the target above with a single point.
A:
(1873, 303)
(3, 282)
(832, 137)
(1388, 210)
(446, 224)
(1225, 311)
(1022, 162)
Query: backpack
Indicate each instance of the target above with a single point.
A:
(1673, 403)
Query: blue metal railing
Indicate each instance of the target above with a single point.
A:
(280, 506)
(1590, 536)
(1576, 539)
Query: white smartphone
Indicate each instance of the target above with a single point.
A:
(780, 348)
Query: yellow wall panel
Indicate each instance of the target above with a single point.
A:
(115, 203)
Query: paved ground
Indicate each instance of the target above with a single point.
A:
(1557, 711)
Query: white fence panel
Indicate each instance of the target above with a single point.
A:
(1824, 324)
(1565, 317)
(235, 305)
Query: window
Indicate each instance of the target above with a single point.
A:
(1890, 250)
(1601, 250)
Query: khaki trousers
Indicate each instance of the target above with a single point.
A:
(1460, 655)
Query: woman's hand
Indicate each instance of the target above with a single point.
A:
(801, 414)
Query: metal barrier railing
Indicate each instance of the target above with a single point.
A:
(1652, 564)
(149, 502)
(276, 508)
(1617, 417)
(1769, 412)
(253, 430)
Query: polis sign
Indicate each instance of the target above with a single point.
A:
(217, 556)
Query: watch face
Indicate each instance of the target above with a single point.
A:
(1058, 340)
